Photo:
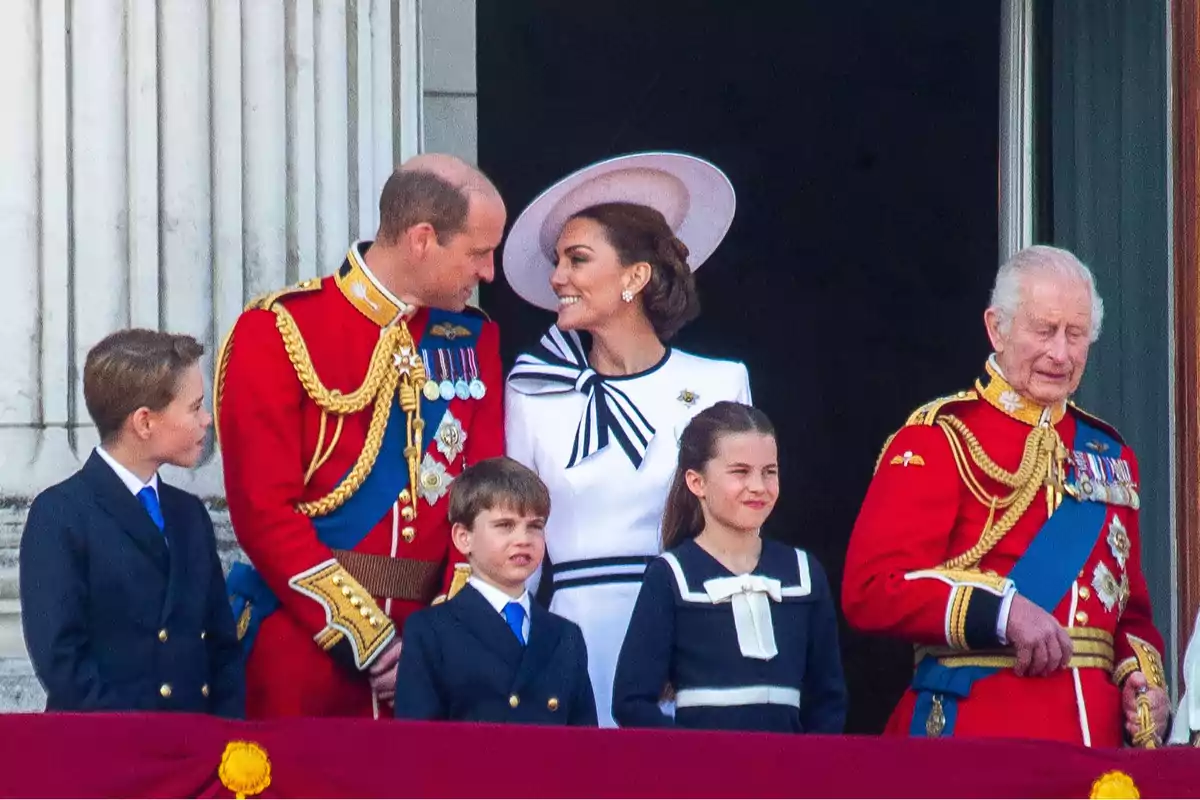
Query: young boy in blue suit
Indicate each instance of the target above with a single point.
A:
(489, 654)
(122, 595)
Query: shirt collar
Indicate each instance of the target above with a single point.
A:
(497, 598)
(1000, 394)
(132, 482)
(366, 293)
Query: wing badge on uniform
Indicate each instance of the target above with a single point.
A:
(907, 459)
(447, 331)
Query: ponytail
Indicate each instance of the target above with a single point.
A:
(683, 518)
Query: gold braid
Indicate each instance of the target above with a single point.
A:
(366, 457)
(395, 370)
(219, 382)
(332, 400)
(1040, 466)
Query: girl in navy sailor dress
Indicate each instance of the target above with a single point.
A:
(743, 629)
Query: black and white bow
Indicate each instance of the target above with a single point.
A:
(557, 365)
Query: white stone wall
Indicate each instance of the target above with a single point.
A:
(165, 160)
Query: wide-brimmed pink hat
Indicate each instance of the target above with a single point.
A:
(694, 196)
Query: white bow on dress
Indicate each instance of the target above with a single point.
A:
(751, 597)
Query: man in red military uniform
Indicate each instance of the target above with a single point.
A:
(1000, 536)
(345, 407)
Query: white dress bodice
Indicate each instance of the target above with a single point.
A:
(605, 506)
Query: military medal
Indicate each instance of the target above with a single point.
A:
(430, 390)
(475, 387)
(461, 390)
(446, 387)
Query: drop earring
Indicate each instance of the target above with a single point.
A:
(627, 296)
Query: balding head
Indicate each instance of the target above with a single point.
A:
(432, 188)
(453, 170)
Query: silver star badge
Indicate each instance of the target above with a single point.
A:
(1105, 583)
(435, 481)
(450, 437)
(1118, 541)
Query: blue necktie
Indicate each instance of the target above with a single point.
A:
(149, 500)
(514, 614)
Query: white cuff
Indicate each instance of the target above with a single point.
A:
(1002, 617)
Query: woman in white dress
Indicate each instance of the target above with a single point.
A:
(1187, 717)
(597, 408)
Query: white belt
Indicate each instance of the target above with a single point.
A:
(738, 696)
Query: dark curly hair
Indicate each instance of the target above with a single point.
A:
(640, 233)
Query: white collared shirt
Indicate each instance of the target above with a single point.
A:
(132, 482)
(498, 599)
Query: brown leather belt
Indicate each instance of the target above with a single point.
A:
(399, 578)
(1093, 647)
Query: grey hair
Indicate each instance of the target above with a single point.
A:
(1041, 260)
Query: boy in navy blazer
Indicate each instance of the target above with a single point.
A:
(122, 596)
(489, 654)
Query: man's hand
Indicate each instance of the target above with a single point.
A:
(383, 672)
(1043, 646)
(1135, 685)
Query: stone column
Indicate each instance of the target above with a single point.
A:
(164, 161)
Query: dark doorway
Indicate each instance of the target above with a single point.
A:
(862, 140)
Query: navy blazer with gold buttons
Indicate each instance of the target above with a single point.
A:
(120, 616)
(460, 661)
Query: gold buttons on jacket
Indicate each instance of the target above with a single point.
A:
(1085, 593)
(162, 635)
(1082, 618)
(552, 704)
(165, 690)
(204, 690)
(514, 701)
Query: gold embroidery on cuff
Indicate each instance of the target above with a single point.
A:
(960, 601)
(1148, 661)
(349, 611)
(1124, 670)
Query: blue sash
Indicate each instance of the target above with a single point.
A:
(347, 525)
(1043, 575)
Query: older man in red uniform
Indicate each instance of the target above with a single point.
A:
(345, 407)
(1000, 536)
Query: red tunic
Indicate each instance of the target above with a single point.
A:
(269, 428)
(920, 513)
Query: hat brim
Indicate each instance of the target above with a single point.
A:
(694, 196)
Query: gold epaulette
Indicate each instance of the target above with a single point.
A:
(266, 300)
(928, 413)
(1096, 421)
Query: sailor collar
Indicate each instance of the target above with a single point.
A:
(1000, 394)
(366, 293)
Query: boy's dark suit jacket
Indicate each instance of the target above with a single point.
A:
(115, 620)
(460, 661)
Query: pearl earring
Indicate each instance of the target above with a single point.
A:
(627, 296)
